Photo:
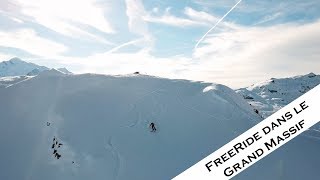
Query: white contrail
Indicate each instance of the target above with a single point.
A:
(216, 25)
(123, 45)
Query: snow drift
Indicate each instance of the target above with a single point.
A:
(102, 123)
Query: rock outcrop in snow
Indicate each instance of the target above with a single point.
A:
(269, 96)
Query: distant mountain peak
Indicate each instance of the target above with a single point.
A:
(51, 72)
(311, 75)
(18, 67)
(64, 70)
(16, 60)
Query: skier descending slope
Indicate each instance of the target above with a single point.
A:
(153, 127)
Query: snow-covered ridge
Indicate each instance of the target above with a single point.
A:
(271, 95)
(64, 70)
(103, 124)
(89, 126)
(11, 80)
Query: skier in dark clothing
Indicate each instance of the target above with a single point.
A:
(57, 155)
(153, 127)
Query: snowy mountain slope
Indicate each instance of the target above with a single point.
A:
(17, 67)
(269, 96)
(64, 70)
(102, 123)
(34, 72)
(10, 80)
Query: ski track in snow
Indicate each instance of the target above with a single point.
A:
(140, 100)
(111, 148)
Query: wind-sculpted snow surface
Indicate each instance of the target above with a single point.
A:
(99, 127)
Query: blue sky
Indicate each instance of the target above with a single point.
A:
(257, 40)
